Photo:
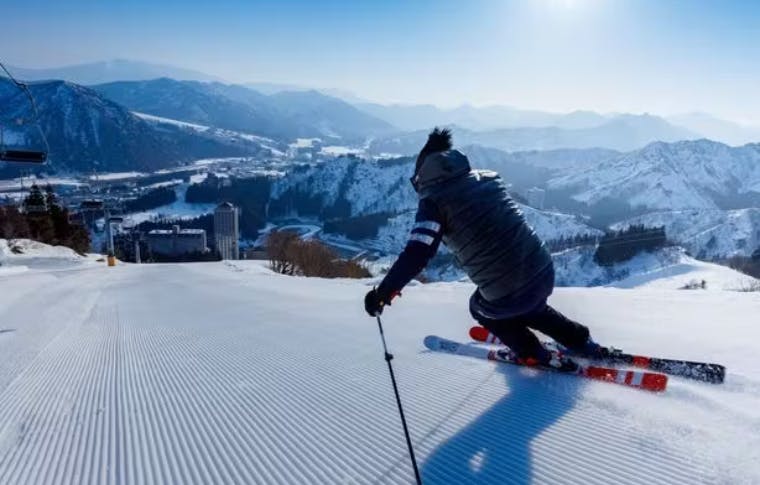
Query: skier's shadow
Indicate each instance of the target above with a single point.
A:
(497, 446)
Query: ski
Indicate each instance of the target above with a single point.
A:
(700, 371)
(649, 381)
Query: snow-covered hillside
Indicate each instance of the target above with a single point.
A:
(707, 233)
(227, 136)
(226, 373)
(684, 175)
(20, 255)
(382, 186)
(668, 268)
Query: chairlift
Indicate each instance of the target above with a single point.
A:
(24, 155)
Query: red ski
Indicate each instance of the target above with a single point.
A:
(649, 381)
(701, 371)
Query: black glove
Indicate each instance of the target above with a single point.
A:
(373, 303)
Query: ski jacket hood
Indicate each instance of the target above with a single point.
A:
(438, 168)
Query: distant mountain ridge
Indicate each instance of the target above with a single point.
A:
(405, 117)
(109, 71)
(717, 129)
(622, 133)
(283, 115)
(414, 117)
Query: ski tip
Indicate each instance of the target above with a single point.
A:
(479, 333)
(431, 342)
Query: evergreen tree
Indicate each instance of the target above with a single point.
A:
(619, 246)
(37, 217)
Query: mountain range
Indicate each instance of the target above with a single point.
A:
(109, 71)
(412, 117)
(86, 131)
(284, 115)
(623, 132)
(700, 174)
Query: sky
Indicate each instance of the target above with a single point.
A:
(657, 56)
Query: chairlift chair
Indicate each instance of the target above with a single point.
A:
(24, 155)
(21, 156)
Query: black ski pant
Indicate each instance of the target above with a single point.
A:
(515, 332)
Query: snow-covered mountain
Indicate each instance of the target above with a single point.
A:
(346, 188)
(283, 115)
(86, 131)
(707, 233)
(350, 188)
(698, 174)
(666, 268)
(110, 71)
(623, 132)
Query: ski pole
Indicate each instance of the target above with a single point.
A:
(388, 358)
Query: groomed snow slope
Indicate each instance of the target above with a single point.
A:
(226, 373)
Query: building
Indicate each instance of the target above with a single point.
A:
(176, 241)
(536, 198)
(226, 231)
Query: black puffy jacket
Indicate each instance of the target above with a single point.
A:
(483, 227)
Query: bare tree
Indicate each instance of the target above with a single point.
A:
(278, 243)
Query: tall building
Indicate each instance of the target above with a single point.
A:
(226, 231)
(536, 198)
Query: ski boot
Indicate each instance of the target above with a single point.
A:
(552, 359)
(562, 363)
(594, 351)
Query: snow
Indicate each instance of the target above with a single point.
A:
(667, 176)
(217, 132)
(169, 121)
(116, 176)
(227, 373)
(179, 209)
(17, 184)
(686, 271)
(337, 150)
(305, 142)
(21, 255)
(667, 268)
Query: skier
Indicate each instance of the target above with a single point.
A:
(472, 213)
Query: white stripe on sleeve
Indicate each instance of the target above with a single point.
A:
(423, 238)
(430, 225)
